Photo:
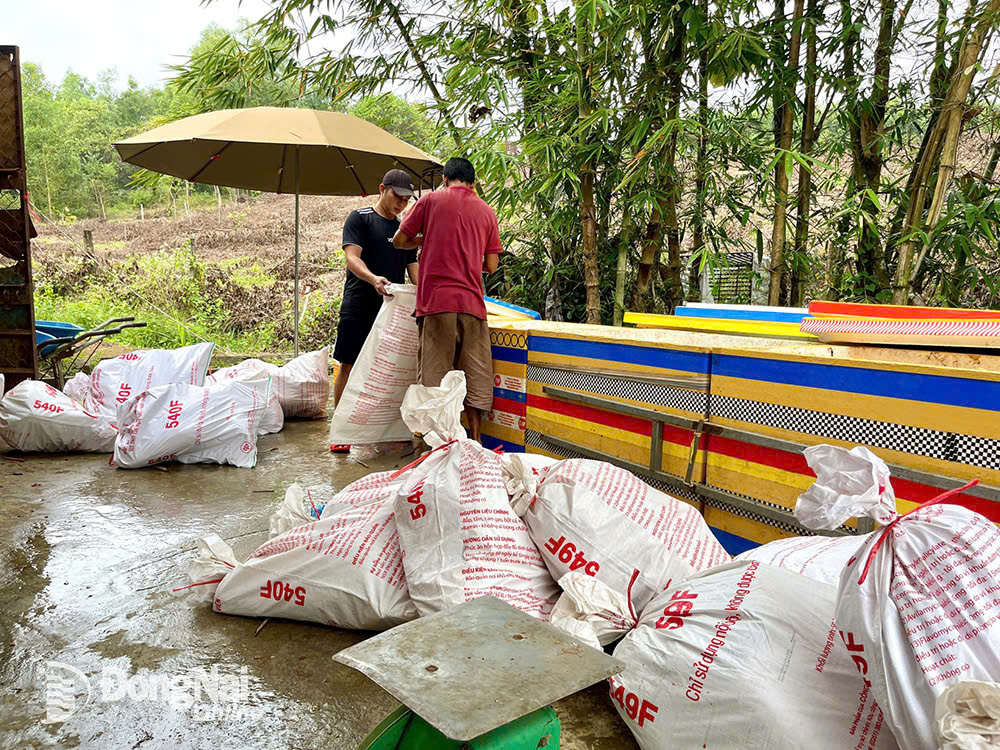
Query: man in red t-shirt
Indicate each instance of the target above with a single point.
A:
(460, 239)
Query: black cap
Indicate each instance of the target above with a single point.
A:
(400, 182)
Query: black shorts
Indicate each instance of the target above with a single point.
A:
(356, 321)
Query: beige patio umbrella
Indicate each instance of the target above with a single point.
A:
(279, 150)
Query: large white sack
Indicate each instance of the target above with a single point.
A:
(78, 387)
(822, 558)
(302, 386)
(598, 519)
(345, 571)
(273, 419)
(460, 538)
(35, 417)
(744, 656)
(368, 411)
(115, 381)
(192, 424)
(919, 606)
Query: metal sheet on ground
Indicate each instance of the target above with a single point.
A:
(478, 666)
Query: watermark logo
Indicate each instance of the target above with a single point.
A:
(203, 694)
(67, 690)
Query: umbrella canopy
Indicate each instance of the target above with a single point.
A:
(256, 149)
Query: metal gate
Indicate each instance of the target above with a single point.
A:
(18, 358)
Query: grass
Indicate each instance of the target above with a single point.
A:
(235, 303)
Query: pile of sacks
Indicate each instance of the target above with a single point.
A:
(157, 405)
(848, 642)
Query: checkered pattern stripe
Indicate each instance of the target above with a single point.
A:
(724, 506)
(535, 440)
(636, 390)
(946, 446)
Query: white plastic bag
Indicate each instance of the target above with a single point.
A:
(35, 417)
(598, 519)
(115, 381)
(521, 472)
(968, 716)
(301, 505)
(743, 656)
(368, 411)
(822, 558)
(273, 419)
(460, 537)
(919, 606)
(302, 386)
(192, 424)
(345, 571)
(77, 387)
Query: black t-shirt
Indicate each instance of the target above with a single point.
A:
(373, 233)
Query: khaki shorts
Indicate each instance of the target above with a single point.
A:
(457, 341)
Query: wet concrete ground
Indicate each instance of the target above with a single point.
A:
(88, 557)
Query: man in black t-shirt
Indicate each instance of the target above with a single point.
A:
(372, 263)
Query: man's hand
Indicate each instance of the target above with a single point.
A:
(419, 239)
(381, 284)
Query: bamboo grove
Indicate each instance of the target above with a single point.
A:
(849, 146)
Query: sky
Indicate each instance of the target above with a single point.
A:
(136, 37)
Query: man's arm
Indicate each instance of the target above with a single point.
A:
(413, 271)
(491, 262)
(403, 242)
(357, 266)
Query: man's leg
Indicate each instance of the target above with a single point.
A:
(475, 419)
(475, 359)
(340, 383)
(438, 340)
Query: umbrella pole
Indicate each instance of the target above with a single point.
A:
(296, 349)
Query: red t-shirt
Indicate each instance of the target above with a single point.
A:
(459, 230)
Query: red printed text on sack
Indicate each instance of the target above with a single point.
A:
(566, 552)
(43, 406)
(279, 591)
(124, 391)
(680, 606)
(636, 708)
(130, 357)
(415, 498)
(174, 414)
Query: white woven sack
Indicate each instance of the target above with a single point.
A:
(115, 381)
(460, 537)
(744, 656)
(35, 417)
(192, 424)
(368, 411)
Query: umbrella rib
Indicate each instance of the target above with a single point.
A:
(351, 167)
(212, 158)
(418, 175)
(281, 170)
(140, 153)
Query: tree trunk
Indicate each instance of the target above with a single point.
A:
(675, 72)
(796, 286)
(668, 183)
(944, 139)
(701, 160)
(778, 229)
(622, 268)
(588, 212)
